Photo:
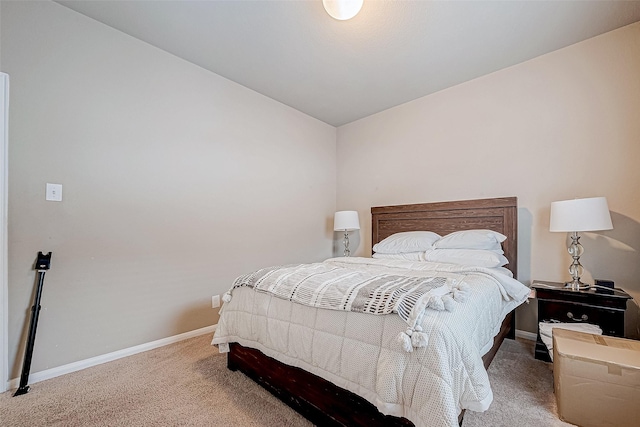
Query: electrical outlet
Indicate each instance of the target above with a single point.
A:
(215, 301)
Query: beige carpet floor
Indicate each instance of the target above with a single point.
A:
(522, 390)
(187, 384)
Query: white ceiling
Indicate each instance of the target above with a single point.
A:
(340, 71)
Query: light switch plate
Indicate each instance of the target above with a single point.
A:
(54, 192)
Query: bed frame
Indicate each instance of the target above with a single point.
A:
(326, 404)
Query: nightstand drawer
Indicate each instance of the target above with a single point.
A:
(611, 321)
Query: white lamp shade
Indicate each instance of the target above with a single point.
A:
(346, 221)
(590, 214)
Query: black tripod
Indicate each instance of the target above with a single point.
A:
(42, 265)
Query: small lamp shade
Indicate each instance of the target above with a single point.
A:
(590, 214)
(346, 221)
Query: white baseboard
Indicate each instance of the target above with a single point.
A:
(98, 360)
(525, 335)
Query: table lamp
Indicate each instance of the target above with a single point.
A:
(346, 221)
(574, 216)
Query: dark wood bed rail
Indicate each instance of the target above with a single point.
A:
(318, 400)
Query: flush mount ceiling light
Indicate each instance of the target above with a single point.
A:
(342, 9)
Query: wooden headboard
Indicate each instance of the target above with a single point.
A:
(499, 214)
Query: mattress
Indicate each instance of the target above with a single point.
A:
(361, 352)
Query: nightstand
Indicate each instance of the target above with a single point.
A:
(604, 308)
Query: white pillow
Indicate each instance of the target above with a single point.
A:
(408, 241)
(409, 256)
(475, 257)
(472, 239)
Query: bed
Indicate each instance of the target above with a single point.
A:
(328, 399)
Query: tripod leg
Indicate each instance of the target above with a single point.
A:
(33, 324)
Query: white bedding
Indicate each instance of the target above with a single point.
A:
(360, 352)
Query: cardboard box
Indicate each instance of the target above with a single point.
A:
(596, 379)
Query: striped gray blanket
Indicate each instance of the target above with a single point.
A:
(334, 286)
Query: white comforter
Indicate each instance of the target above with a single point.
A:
(360, 352)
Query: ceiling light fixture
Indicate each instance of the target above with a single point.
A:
(342, 9)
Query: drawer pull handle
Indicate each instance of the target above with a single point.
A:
(582, 318)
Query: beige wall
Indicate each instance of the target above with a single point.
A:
(563, 125)
(175, 181)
